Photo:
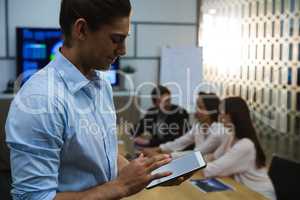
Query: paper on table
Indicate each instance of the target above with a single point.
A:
(211, 185)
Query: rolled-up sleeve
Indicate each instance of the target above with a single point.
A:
(236, 160)
(179, 143)
(34, 130)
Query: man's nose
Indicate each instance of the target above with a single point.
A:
(121, 51)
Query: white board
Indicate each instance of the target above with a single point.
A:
(181, 72)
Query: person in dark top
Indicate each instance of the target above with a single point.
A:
(164, 121)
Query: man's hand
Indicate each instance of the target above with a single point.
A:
(179, 180)
(132, 178)
(137, 174)
(122, 162)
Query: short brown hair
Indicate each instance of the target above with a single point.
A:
(95, 12)
(158, 91)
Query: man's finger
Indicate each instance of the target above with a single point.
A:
(156, 165)
(174, 182)
(159, 175)
(181, 179)
(157, 158)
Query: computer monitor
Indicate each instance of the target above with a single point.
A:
(36, 47)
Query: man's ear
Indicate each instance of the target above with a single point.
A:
(80, 29)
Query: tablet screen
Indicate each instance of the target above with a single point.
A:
(179, 167)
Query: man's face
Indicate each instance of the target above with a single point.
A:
(164, 102)
(102, 47)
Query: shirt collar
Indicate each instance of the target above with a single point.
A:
(72, 77)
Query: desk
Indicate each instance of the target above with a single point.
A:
(187, 191)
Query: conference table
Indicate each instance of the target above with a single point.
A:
(187, 191)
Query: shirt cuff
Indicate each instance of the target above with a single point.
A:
(45, 195)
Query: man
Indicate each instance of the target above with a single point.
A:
(61, 124)
(164, 121)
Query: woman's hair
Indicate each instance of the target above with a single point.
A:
(239, 113)
(211, 102)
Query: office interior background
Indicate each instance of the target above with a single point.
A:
(250, 49)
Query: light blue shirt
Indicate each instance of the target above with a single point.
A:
(61, 131)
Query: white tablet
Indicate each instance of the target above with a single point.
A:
(179, 167)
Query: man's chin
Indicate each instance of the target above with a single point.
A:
(103, 67)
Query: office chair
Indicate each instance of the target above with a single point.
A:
(5, 176)
(5, 185)
(285, 175)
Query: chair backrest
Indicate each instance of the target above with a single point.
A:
(5, 185)
(285, 175)
(5, 177)
(4, 152)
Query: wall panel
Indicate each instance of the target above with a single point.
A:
(31, 13)
(145, 78)
(164, 11)
(256, 44)
(2, 29)
(155, 37)
(7, 72)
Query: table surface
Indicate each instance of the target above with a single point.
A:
(186, 191)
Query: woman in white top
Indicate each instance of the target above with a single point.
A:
(240, 155)
(206, 134)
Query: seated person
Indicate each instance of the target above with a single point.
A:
(206, 133)
(240, 155)
(164, 121)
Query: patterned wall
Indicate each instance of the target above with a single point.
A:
(252, 49)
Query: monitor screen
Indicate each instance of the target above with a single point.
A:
(36, 47)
